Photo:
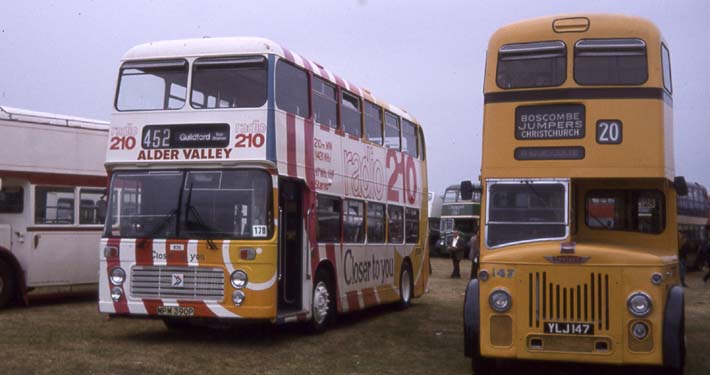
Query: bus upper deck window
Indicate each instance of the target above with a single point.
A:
(538, 64)
(610, 62)
(229, 82)
(152, 85)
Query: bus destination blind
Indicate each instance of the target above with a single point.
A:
(185, 136)
(560, 121)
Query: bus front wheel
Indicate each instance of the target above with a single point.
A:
(322, 302)
(7, 283)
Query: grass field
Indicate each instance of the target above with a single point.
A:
(70, 337)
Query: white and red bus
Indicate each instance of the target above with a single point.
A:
(248, 182)
(52, 181)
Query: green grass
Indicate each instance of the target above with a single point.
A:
(71, 337)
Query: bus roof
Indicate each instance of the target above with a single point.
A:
(23, 115)
(204, 47)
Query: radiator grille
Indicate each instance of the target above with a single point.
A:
(198, 283)
(586, 301)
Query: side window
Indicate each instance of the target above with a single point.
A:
(92, 206)
(373, 123)
(538, 64)
(292, 89)
(54, 205)
(11, 200)
(328, 219)
(325, 104)
(375, 222)
(411, 225)
(350, 114)
(396, 220)
(391, 131)
(666, 60)
(610, 62)
(409, 138)
(354, 221)
(422, 145)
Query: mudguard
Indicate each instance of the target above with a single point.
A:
(471, 318)
(674, 329)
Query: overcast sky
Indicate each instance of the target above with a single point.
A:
(424, 56)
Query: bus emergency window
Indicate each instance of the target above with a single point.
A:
(395, 214)
(411, 225)
(392, 131)
(92, 206)
(375, 222)
(666, 61)
(11, 200)
(54, 205)
(537, 64)
(350, 114)
(409, 138)
(373, 123)
(526, 211)
(328, 212)
(292, 89)
(152, 85)
(229, 82)
(610, 62)
(325, 104)
(354, 221)
(626, 210)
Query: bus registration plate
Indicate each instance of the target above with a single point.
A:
(176, 311)
(569, 328)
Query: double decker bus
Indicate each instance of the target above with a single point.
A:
(579, 247)
(251, 183)
(693, 210)
(52, 202)
(459, 212)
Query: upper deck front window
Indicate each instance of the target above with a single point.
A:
(538, 64)
(152, 85)
(229, 82)
(522, 211)
(610, 62)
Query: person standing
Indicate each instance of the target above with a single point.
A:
(474, 254)
(683, 245)
(456, 252)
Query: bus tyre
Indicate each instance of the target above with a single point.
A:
(7, 283)
(322, 303)
(482, 365)
(405, 286)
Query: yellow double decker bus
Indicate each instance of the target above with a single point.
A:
(578, 215)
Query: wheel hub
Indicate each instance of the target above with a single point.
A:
(321, 302)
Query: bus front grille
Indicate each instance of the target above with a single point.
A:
(585, 301)
(181, 283)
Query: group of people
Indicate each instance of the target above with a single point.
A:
(458, 246)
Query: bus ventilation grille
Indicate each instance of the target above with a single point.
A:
(587, 302)
(182, 283)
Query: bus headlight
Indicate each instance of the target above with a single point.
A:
(639, 330)
(238, 297)
(500, 300)
(116, 293)
(639, 304)
(239, 279)
(117, 276)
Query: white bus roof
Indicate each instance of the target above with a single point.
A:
(23, 115)
(201, 47)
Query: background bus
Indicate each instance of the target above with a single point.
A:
(294, 193)
(693, 211)
(52, 183)
(434, 235)
(458, 214)
(579, 248)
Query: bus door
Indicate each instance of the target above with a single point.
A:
(290, 245)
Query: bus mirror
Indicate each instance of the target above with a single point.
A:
(681, 187)
(466, 190)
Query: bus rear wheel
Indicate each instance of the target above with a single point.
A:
(7, 283)
(405, 286)
(322, 303)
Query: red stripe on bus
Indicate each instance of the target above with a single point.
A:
(144, 252)
(291, 161)
(310, 155)
(289, 55)
(368, 296)
(151, 306)
(353, 301)
(307, 64)
(340, 82)
(325, 128)
(120, 307)
(176, 257)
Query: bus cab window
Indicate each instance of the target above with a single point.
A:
(11, 200)
(626, 210)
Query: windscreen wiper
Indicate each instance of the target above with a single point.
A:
(198, 219)
(166, 221)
